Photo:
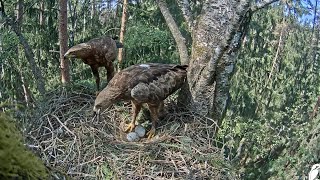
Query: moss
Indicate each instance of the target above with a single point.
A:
(16, 162)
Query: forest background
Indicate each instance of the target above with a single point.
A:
(270, 129)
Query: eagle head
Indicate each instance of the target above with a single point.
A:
(104, 100)
(82, 50)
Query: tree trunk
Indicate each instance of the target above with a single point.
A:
(63, 39)
(26, 91)
(19, 13)
(122, 32)
(41, 15)
(73, 17)
(93, 9)
(315, 39)
(217, 37)
(183, 51)
(213, 56)
(30, 57)
(24, 84)
(186, 12)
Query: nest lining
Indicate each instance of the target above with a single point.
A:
(66, 136)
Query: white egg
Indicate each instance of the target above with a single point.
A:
(133, 136)
(140, 130)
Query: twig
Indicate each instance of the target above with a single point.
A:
(64, 126)
(262, 4)
(92, 148)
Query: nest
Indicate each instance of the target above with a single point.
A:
(66, 136)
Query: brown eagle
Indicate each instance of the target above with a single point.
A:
(97, 52)
(149, 83)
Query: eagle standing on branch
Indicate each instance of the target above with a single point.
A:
(148, 83)
(98, 52)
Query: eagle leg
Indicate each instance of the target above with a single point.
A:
(154, 111)
(110, 71)
(95, 72)
(135, 111)
(161, 109)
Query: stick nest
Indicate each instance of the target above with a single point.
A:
(67, 137)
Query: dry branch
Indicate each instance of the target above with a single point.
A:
(67, 137)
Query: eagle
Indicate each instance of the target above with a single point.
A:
(149, 83)
(97, 52)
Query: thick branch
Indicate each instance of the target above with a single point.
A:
(273, 153)
(122, 31)
(63, 37)
(262, 4)
(216, 41)
(30, 57)
(240, 150)
(3, 13)
(183, 52)
(315, 109)
(186, 12)
(27, 50)
(315, 39)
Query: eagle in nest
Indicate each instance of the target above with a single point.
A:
(97, 52)
(149, 83)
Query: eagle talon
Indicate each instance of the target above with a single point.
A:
(97, 93)
(130, 127)
(151, 133)
(137, 83)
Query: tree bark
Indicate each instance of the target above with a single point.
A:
(216, 40)
(186, 12)
(122, 31)
(41, 15)
(217, 37)
(74, 18)
(315, 39)
(63, 39)
(93, 9)
(19, 13)
(26, 91)
(25, 86)
(183, 51)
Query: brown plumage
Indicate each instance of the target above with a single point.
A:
(98, 52)
(149, 83)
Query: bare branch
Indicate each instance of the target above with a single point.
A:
(314, 113)
(30, 57)
(27, 49)
(3, 13)
(240, 151)
(261, 5)
(183, 51)
(186, 12)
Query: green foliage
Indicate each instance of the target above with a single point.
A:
(107, 172)
(273, 92)
(147, 38)
(16, 161)
(145, 43)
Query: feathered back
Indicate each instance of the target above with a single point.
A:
(95, 51)
(144, 83)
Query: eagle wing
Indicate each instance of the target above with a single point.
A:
(95, 52)
(155, 82)
(144, 83)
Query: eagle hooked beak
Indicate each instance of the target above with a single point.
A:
(68, 55)
(96, 112)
